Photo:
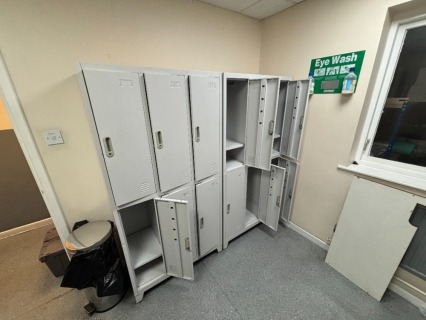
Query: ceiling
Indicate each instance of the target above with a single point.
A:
(257, 9)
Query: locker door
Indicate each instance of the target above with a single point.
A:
(188, 195)
(296, 106)
(173, 219)
(267, 134)
(205, 96)
(289, 184)
(254, 121)
(168, 109)
(209, 211)
(122, 124)
(261, 111)
(272, 183)
(235, 202)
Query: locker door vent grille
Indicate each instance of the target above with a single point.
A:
(184, 176)
(145, 187)
(213, 166)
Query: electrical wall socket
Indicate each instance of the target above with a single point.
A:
(53, 137)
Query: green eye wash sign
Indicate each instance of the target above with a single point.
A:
(329, 72)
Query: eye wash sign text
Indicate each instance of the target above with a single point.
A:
(329, 72)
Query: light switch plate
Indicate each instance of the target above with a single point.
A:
(53, 137)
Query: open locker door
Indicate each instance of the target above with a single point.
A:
(271, 188)
(261, 112)
(173, 218)
(296, 102)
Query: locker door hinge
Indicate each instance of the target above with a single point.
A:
(367, 142)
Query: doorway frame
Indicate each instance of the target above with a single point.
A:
(29, 148)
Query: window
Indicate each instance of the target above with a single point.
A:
(401, 132)
(393, 142)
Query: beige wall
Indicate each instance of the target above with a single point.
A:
(5, 123)
(42, 40)
(290, 40)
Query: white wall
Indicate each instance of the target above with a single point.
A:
(42, 40)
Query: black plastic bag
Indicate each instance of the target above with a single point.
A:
(100, 268)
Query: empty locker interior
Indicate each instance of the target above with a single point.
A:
(144, 250)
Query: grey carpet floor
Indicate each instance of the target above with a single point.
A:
(261, 275)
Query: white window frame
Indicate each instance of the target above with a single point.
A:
(396, 172)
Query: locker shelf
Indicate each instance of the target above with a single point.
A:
(275, 154)
(149, 272)
(144, 247)
(233, 164)
(250, 218)
(277, 135)
(231, 144)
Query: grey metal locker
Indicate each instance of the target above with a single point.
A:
(295, 109)
(169, 112)
(187, 194)
(121, 123)
(235, 202)
(289, 184)
(209, 211)
(175, 237)
(261, 110)
(206, 98)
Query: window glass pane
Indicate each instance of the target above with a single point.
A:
(401, 134)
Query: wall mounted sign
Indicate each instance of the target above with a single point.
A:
(330, 72)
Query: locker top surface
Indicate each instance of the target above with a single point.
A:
(248, 76)
(139, 69)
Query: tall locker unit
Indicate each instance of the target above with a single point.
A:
(158, 136)
(252, 185)
(290, 121)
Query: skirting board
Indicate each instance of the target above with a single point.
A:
(407, 296)
(25, 228)
(307, 235)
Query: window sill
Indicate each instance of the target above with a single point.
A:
(418, 183)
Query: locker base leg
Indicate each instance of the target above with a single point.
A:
(139, 297)
(225, 245)
(219, 248)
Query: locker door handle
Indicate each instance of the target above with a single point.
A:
(108, 147)
(187, 245)
(301, 123)
(197, 134)
(159, 140)
(271, 127)
(290, 194)
(278, 203)
(228, 208)
(201, 223)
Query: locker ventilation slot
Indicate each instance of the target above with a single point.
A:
(213, 166)
(184, 176)
(145, 187)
